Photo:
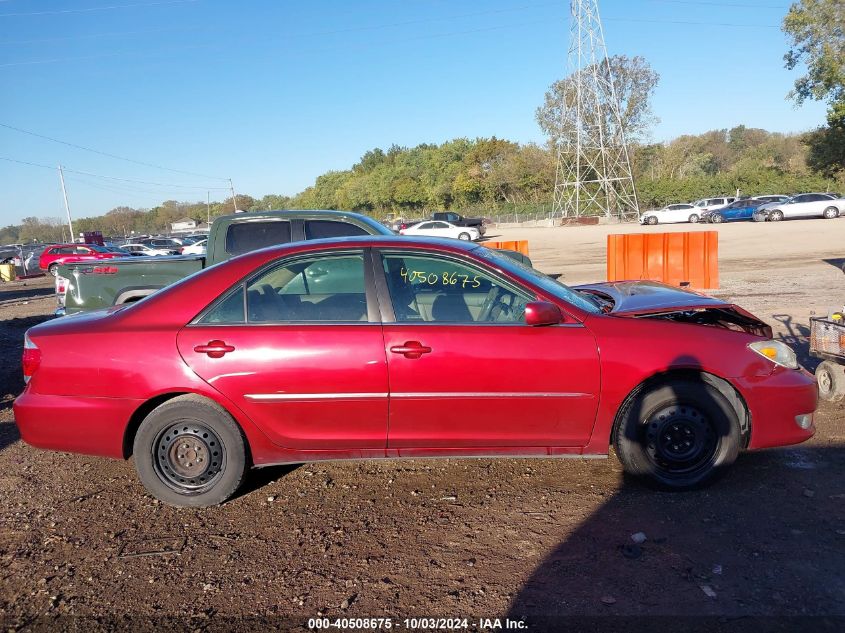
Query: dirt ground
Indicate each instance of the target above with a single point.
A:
(546, 541)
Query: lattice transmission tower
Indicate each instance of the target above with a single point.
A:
(593, 174)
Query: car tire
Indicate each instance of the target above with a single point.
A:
(831, 380)
(775, 216)
(694, 219)
(464, 236)
(678, 435)
(651, 220)
(716, 218)
(189, 452)
(53, 269)
(830, 213)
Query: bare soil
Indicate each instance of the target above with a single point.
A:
(82, 545)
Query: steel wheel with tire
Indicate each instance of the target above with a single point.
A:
(716, 218)
(651, 220)
(693, 218)
(679, 435)
(464, 236)
(53, 269)
(775, 216)
(190, 452)
(831, 380)
(830, 213)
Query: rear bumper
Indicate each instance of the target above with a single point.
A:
(774, 402)
(93, 426)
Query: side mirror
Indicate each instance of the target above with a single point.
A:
(542, 313)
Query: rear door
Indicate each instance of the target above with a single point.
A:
(298, 347)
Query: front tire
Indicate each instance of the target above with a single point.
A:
(678, 435)
(464, 236)
(831, 380)
(776, 216)
(189, 452)
(651, 220)
(694, 219)
(830, 213)
(53, 269)
(716, 218)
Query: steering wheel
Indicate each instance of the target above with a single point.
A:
(489, 303)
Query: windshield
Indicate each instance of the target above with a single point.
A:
(546, 283)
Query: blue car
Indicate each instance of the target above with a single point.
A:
(739, 210)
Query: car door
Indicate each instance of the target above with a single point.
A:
(798, 206)
(466, 373)
(298, 348)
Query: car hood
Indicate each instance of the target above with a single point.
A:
(657, 300)
(639, 297)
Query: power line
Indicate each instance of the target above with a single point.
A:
(115, 178)
(732, 5)
(95, 151)
(693, 23)
(92, 9)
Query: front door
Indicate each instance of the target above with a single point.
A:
(466, 372)
(299, 349)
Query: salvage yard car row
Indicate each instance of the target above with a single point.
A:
(760, 209)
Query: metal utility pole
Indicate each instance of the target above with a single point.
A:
(234, 197)
(208, 207)
(67, 208)
(594, 175)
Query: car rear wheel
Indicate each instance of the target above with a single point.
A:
(776, 216)
(189, 452)
(678, 436)
(831, 380)
(464, 236)
(830, 213)
(693, 218)
(53, 269)
(651, 220)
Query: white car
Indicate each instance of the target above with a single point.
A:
(711, 204)
(441, 229)
(143, 249)
(805, 205)
(671, 214)
(197, 248)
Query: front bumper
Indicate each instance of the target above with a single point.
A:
(774, 403)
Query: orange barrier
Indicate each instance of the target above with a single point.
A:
(520, 246)
(674, 258)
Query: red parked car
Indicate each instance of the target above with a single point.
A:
(387, 347)
(58, 254)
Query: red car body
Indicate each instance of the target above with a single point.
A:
(382, 389)
(73, 253)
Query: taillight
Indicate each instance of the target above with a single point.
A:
(31, 358)
(182, 251)
(61, 285)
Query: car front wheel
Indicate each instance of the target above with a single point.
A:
(678, 436)
(190, 452)
(776, 216)
(53, 269)
(651, 220)
(716, 218)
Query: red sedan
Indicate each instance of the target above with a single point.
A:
(383, 347)
(52, 257)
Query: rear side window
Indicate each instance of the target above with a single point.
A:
(244, 237)
(318, 229)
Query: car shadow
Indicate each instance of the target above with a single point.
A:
(8, 432)
(836, 262)
(25, 292)
(260, 477)
(736, 549)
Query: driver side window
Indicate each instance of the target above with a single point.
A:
(430, 289)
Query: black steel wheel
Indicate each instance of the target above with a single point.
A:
(678, 435)
(190, 452)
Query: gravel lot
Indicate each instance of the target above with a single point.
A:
(475, 538)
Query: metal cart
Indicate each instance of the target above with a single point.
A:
(827, 343)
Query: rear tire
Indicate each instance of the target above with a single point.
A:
(464, 236)
(189, 452)
(776, 216)
(694, 219)
(830, 213)
(831, 380)
(678, 436)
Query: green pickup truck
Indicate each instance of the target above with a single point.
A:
(88, 286)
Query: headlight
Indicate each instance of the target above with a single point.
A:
(777, 352)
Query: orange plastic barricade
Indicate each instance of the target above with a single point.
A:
(520, 246)
(677, 259)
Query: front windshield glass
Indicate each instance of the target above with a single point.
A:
(549, 285)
